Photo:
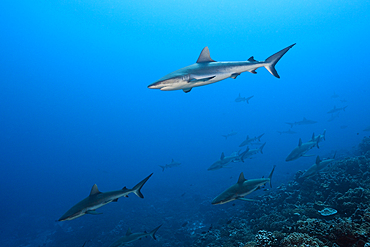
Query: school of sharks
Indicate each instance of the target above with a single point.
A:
(206, 71)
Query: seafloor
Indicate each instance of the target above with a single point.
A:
(289, 215)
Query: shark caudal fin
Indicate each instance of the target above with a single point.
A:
(152, 233)
(270, 176)
(272, 61)
(261, 148)
(138, 187)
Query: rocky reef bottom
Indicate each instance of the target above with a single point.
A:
(330, 208)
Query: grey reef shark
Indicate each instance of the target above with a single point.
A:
(232, 133)
(131, 237)
(303, 148)
(318, 166)
(170, 165)
(206, 71)
(250, 140)
(241, 99)
(250, 152)
(304, 121)
(337, 109)
(225, 160)
(97, 199)
(242, 188)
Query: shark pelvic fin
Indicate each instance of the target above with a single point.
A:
(234, 77)
(241, 178)
(205, 56)
(94, 190)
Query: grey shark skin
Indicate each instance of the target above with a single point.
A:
(97, 199)
(318, 166)
(242, 188)
(335, 109)
(320, 137)
(303, 148)
(232, 133)
(250, 140)
(225, 160)
(290, 132)
(131, 237)
(170, 165)
(206, 71)
(305, 121)
(241, 99)
(250, 152)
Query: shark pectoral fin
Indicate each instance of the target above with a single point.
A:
(247, 200)
(187, 90)
(234, 75)
(201, 79)
(93, 212)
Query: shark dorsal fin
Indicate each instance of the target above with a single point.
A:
(335, 154)
(318, 160)
(313, 136)
(300, 142)
(172, 161)
(205, 56)
(241, 178)
(222, 156)
(251, 59)
(128, 233)
(94, 190)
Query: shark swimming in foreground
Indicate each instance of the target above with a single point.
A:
(206, 71)
(97, 199)
(242, 188)
(302, 148)
(131, 237)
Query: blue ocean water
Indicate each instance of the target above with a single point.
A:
(75, 109)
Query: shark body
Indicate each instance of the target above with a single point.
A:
(232, 133)
(225, 160)
(206, 71)
(170, 165)
(249, 140)
(242, 188)
(303, 148)
(131, 237)
(304, 121)
(337, 109)
(318, 166)
(241, 99)
(250, 152)
(97, 199)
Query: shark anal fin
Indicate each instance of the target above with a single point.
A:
(115, 200)
(234, 75)
(93, 212)
(186, 90)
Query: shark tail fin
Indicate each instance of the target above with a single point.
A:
(152, 233)
(225, 136)
(270, 176)
(261, 148)
(138, 187)
(272, 61)
(323, 134)
(162, 168)
(291, 124)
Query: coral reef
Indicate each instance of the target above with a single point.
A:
(290, 215)
(364, 146)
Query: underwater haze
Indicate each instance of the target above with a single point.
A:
(76, 110)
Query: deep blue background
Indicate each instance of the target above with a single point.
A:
(75, 108)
